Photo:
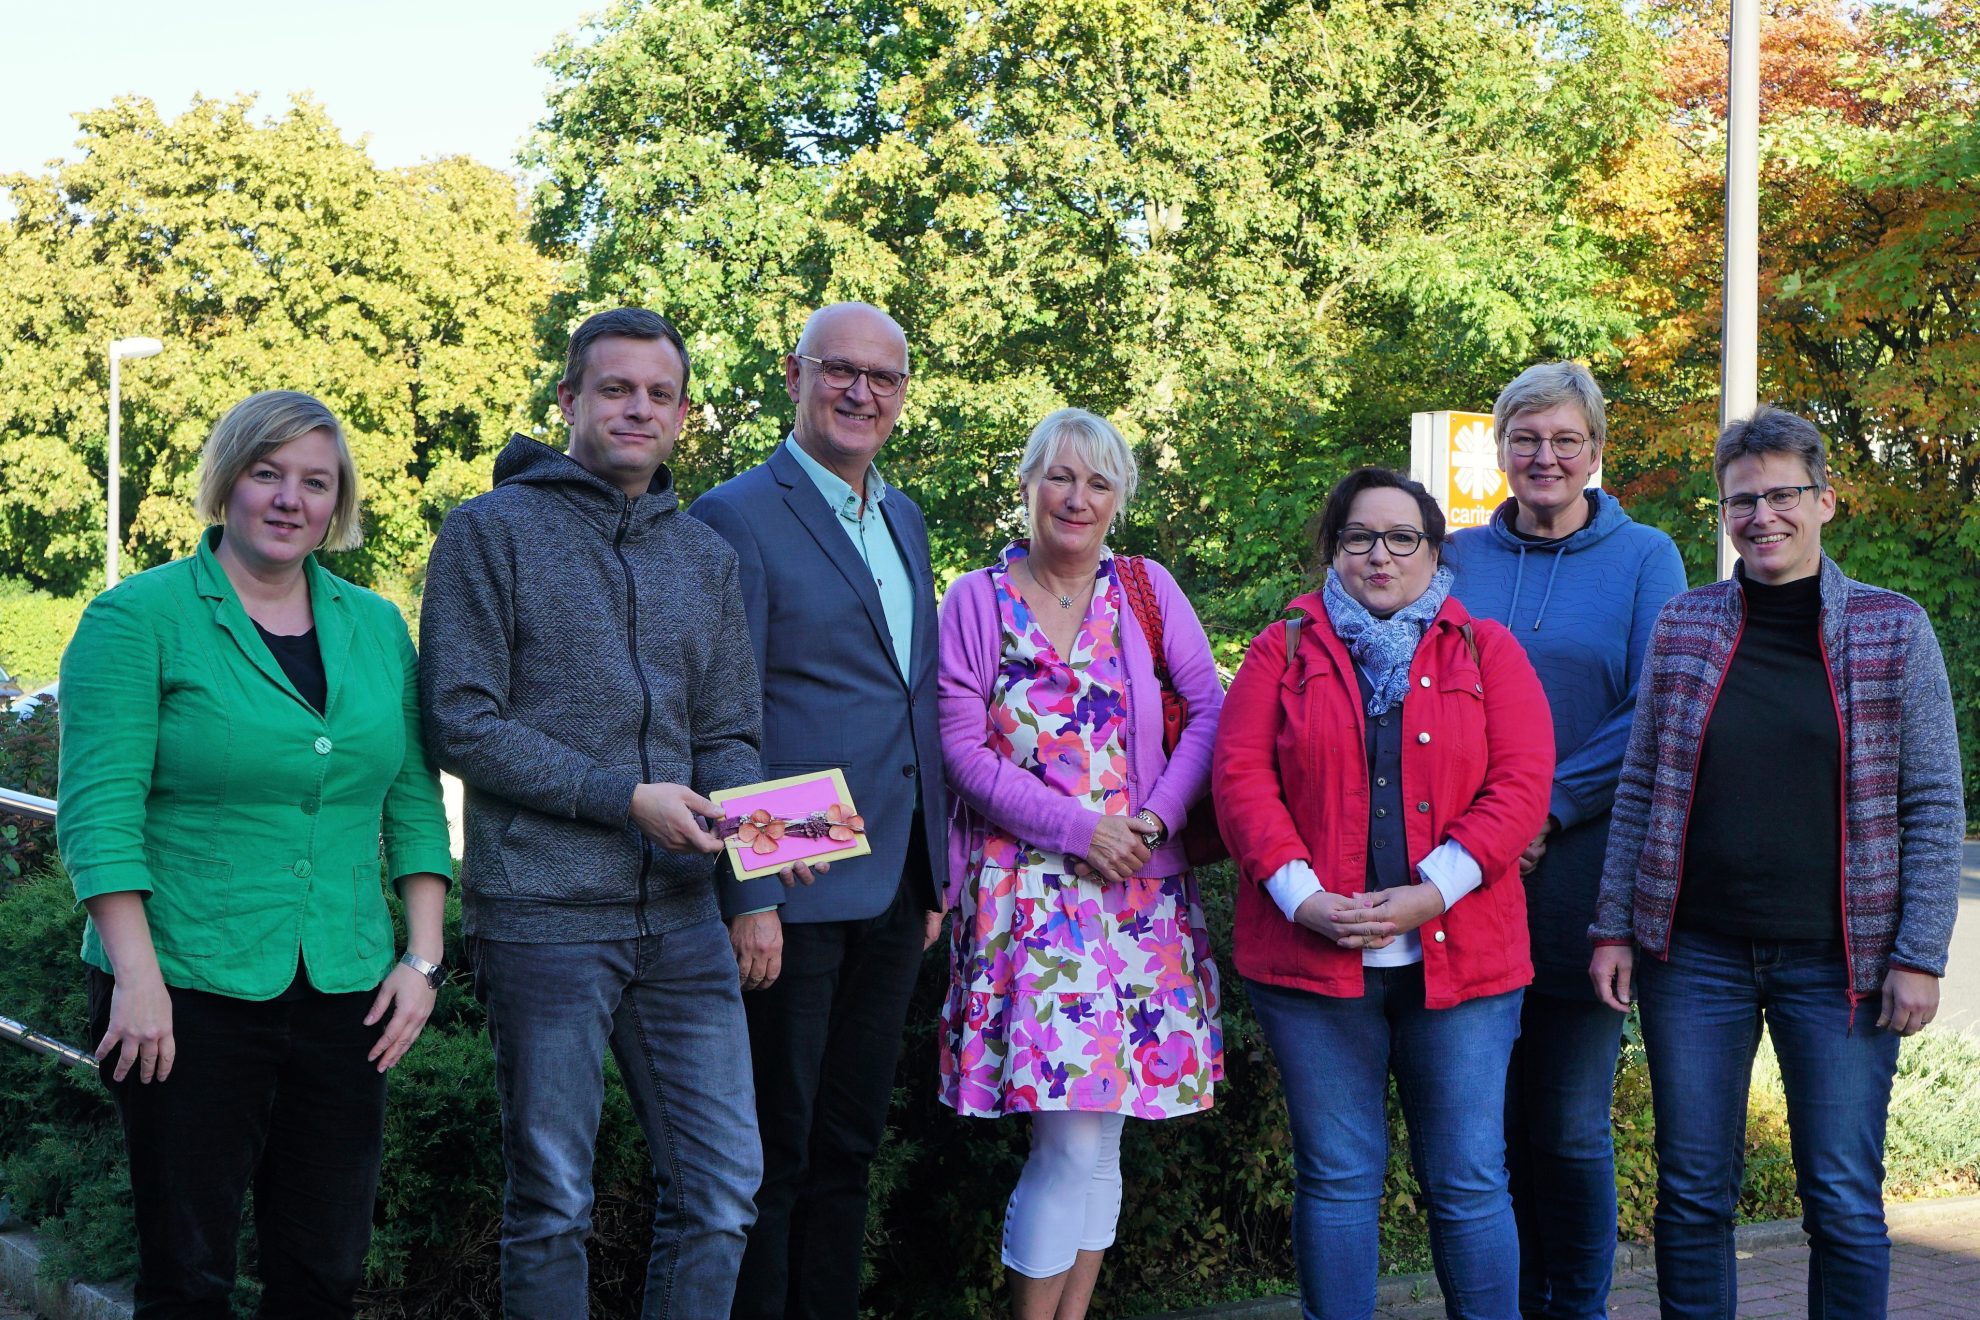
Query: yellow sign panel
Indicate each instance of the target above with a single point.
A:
(1456, 456)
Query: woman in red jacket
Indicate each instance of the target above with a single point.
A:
(1377, 789)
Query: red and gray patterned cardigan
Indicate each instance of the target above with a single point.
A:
(1902, 808)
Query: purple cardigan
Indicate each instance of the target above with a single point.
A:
(985, 786)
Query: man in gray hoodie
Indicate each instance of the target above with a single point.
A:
(585, 668)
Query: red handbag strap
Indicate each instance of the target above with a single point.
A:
(1133, 570)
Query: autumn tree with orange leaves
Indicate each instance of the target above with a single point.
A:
(1870, 301)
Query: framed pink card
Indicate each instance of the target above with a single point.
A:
(802, 818)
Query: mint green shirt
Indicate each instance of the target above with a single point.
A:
(866, 528)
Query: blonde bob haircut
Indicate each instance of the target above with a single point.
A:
(1089, 437)
(256, 427)
(1549, 385)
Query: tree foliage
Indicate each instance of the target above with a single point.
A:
(1258, 235)
(1870, 310)
(265, 253)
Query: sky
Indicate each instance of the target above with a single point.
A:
(423, 78)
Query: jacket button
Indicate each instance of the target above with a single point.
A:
(1383, 721)
(1423, 806)
(1423, 737)
(310, 806)
(302, 869)
(1439, 937)
(1381, 843)
(907, 771)
(322, 746)
(1425, 680)
(1381, 811)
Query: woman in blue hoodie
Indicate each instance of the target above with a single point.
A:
(1579, 584)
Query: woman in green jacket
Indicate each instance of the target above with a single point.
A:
(240, 730)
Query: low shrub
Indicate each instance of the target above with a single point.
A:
(28, 749)
(1206, 1215)
(34, 627)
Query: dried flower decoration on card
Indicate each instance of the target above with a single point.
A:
(800, 818)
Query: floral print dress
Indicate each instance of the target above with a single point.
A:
(1069, 993)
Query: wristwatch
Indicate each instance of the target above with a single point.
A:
(1161, 835)
(435, 973)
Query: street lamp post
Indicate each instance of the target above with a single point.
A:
(119, 350)
(1739, 334)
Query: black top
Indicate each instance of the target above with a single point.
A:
(302, 660)
(1512, 525)
(1388, 845)
(1763, 848)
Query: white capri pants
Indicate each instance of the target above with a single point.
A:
(1068, 1198)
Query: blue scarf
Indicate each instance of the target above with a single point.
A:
(1384, 647)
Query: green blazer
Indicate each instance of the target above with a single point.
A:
(194, 773)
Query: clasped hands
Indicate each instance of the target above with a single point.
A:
(1370, 921)
(1121, 847)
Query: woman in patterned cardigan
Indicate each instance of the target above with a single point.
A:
(1785, 845)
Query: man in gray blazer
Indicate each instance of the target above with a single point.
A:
(840, 601)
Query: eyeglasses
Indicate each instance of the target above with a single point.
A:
(840, 375)
(1401, 541)
(1780, 498)
(1564, 446)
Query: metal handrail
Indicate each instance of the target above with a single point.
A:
(16, 803)
(13, 802)
(29, 1039)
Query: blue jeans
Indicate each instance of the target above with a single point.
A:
(1702, 1012)
(1335, 1056)
(670, 1007)
(1561, 1155)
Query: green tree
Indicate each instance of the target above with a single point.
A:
(265, 253)
(1257, 235)
(1870, 313)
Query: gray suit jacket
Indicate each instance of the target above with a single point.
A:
(832, 694)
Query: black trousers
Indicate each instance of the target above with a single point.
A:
(824, 1041)
(275, 1094)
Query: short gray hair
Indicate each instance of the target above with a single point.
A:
(1549, 385)
(1772, 431)
(1090, 436)
(256, 427)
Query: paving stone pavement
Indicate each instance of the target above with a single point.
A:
(1935, 1275)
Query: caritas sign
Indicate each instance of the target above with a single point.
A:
(1455, 456)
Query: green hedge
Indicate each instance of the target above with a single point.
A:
(1207, 1213)
(34, 627)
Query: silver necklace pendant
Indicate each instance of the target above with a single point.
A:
(1065, 602)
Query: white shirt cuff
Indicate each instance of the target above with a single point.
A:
(1453, 870)
(1291, 885)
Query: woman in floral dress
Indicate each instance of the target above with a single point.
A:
(1081, 988)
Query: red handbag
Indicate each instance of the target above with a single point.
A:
(1202, 843)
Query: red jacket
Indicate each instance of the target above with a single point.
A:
(1290, 777)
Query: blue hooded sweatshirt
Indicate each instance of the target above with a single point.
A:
(1582, 607)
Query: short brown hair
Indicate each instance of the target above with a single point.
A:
(621, 323)
(256, 427)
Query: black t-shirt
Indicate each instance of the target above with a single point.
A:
(302, 660)
(1763, 850)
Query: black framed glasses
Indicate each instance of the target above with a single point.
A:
(1564, 446)
(1401, 541)
(840, 375)
(1780, 499)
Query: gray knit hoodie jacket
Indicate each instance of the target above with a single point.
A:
(575, 643)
